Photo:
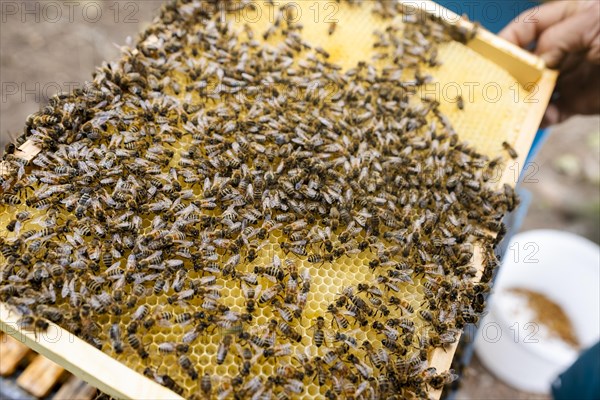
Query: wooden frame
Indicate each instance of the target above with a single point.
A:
(85, 361)
(117, 380)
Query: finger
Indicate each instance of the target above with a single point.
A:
(572, 35)
(579, 90)
(528, 26)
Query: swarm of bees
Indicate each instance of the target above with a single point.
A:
(160, 207)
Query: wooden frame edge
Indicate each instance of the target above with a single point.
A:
(99, 370)
(524, 66)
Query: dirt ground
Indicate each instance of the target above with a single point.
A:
(41, 54)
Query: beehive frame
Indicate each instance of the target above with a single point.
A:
(121, 382)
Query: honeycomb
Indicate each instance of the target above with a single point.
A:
(483, 123)
(494, 100)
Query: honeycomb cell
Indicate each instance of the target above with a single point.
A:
(210, 349)
(152, 301)
(267, 370)
(221, 370)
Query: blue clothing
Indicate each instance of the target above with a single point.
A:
(493, 15)
(582, 380)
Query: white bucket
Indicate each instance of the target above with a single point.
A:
(566, 269)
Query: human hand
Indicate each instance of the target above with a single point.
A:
(566, 34)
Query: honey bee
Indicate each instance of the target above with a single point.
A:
(163, 318)
(404, 305)
(206, 384)
(115, 337)
(318, 331)
(269, 294)
(186, 364)
(246, 364)
(321, 372)
(34, 324)
(135, 342)
(426, 315)
(140, 313)
(391, 333)
(379, 358)
(277, 351)
(52, 314)
(299, 250)
(264, 341)
(251, 294)
(510, 150)
(273, 271)
(460, 103)
(346, 339)
(351, 232)
(249, 278)
(290, 332)
(361, 367)
(170, 383)
(338, 316)
(224, 348)
(183, 318)
(331, 29)
(169, 347)
(283, 311)
(11, 199)
(407, 325)
(438, 381)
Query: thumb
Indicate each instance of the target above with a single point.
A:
(572, 35)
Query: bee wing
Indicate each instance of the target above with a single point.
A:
(174, 263)
(364, 369)
(346, 312)
(257, 291)
(276, 261)
(165, 323)
(245, 289)
(402, 278)
(293, 307)
(448, 337)
(18, 227)
(305, 274)
(69, 289)
(353, 332)
(158, 267)
(233, 260)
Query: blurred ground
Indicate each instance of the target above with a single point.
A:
(566, 180)
(41, 54)
(52, 46)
